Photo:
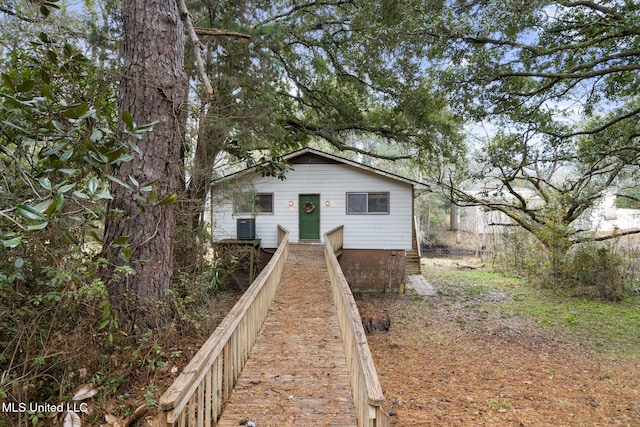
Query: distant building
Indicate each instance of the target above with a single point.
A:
(475, 227)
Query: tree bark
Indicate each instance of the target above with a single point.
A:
(208, 146)
(191, 212)
(152, 89)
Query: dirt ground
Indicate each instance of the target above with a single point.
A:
(445, 364)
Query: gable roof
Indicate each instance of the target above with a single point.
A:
(310, 155)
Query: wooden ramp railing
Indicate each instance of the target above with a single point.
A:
(365, 387)
(197, 396)
(417, 239)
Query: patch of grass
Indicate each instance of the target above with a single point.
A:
(597, 325)
(469, 285)
(499, 404)
(603, 326)
(473, 277)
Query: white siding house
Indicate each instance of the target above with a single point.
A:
(379, 215)
(320, 192)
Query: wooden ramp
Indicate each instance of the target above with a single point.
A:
(297, 373)
(420, 285)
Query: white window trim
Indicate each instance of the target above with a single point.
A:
(255, 210)
(367, 193)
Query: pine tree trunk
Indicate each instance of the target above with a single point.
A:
(152, 90)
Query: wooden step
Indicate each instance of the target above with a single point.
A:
(412, 263)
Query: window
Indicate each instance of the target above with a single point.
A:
(367, 203)
(264, 203)
(253, 203)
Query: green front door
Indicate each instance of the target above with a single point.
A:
(309, 214)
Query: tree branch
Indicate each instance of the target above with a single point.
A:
(569, 75)
(592, 5)
(607, 237)
(201, 31)
(296, 7)
(27, 179)
(593, 131)
(15, 14)
(627, 196)
(197, 45)
(539, 51)
(328, 133)
(382, 131)
(592, 64)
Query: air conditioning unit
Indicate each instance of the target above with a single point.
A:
(246, 228)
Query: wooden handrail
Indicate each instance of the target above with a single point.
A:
(335, 237)
(365, 386)
(416, 230)
(197, 396)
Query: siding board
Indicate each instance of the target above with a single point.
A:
(332, 182)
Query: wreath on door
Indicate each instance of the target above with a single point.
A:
(309, 207)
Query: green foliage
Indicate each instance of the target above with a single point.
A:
(602, 271)
(189, 295)
(57, 143)
(525, 55)
(432, 210)
(628, 199)
(331, 71)
(599, 325)
(44, 312)
(57, 112)
(64, 333)
(127, 363)
(598, 271)
(150, 398)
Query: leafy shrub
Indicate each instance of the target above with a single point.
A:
(596, 270)
(56, 151)
(53, 318)
(605, 271)
(518, 251)
(57, 156)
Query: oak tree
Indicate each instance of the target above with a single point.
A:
(557, 84)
